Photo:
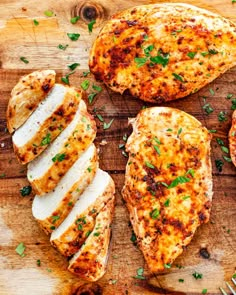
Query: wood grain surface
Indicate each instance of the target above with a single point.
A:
(212, 251)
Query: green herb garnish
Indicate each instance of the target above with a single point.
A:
(25, 191)
(62, 47)
(36, 23)
(20, 249)
(73, 66)
(73, 36)
(178, 77)
(197, 275)
(59, 157)
(22, 58)
(155, 214)
(85, 84)
(90, 25)
(74, 20)
(139, 275)
(149, 165)
(48, 13)
(107, 125)
(46, 140)
(191, 54)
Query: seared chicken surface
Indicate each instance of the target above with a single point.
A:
(168, 182)
(232, 139)
(161, 52)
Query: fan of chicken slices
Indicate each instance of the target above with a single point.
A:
(168, 182)
(54, 134)
(161, 52)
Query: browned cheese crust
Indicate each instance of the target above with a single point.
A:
(26, 95)
(168, 182)
(232, 139)
(162, 52)
(90, 263)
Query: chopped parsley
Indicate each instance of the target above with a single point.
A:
(73, 36)
(219, 164)
(149, 165)
(96, 234)
(133, 238)
(212, 92)
(178, 77)
(179, 131)
(227, 159)
(225, 149)
(85, 74)
(191, 54)
(157, 149)
(222, 116)
(74, 20)
(97, 88)
(139, 275)
(181, 280)
(22, 58)
(155, 213)
(59, 157)
(38, 262)
(212, 130)
(20, 249)
(90, 25)
(87, 233)
(55, 218)
(73, 66)
(161, 59)
(62, 47)
(191, 172)
(179, 180)
(148, 49)
(204, 291)
(167, 203)
(66, 78)
(2, 175)
(229, 95)
(46, 140)
(220, 141)
(85, 84)
(89, 169)
(140, 61)
(107, 125)
(197, 275)
(233, 107)
(186, 197)
(167, 265)
(25, 191)
(48, 13)
(91, 97)
(36, 23)
(100, 118)
(208, 108)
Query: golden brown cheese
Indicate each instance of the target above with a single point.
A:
(168, 182)
(26, 95)
(232, 139)
(162, 52)
(91, 260)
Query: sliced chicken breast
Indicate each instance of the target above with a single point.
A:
(168, 182)
(46, 123)
(45, 171)
(51, 209)
(163, 51)
(90, 261)
(26, 95)
(74, 230)
(232, 139)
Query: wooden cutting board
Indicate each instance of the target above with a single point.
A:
(212, 251)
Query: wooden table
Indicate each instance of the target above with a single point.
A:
(20, 37)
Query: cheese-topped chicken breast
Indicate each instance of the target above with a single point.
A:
(26, 95)
(161, 52)
(168, 182)
(232, 139)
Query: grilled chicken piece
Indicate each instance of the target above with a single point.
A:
(51, 209)
(162, 52)
(232, 139)
(45, 171)
(74, 230)
(168, 182)
(26, 95)
(46, 123)
(90, 261)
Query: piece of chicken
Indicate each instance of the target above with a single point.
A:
(46, 170)
(161, 52)
(26, 95)
(168, 182)
(51, 117)
(91, 260)
(72, 233)
(232, 139)
(51, 209)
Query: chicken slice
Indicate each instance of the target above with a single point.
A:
(26, 95)
(51, 209)
(46, 170)
(168, 182)
(164, 51)
(46, 122)
(90, 261)
(232, 139)
(74, 230)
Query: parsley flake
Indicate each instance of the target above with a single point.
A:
(219, 164)
(107, 125)
(48, 13)
(74, 20)
(161, 59)
(20, 249)
(191, 54)
(208, 108)
(167, 265)
(222, 116)
(91, 97)
(155, 213)
(25, 191)
(85, 84)
(59, 157)
(140, 61)
(62, 47)
(179, 180)
(178, 77)
(73, 66)
(139, 275)
(90, 25)
(73, 36)
(22, 58)
(46, 140)
(36, 23)
(197, 275)
(149, 165)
